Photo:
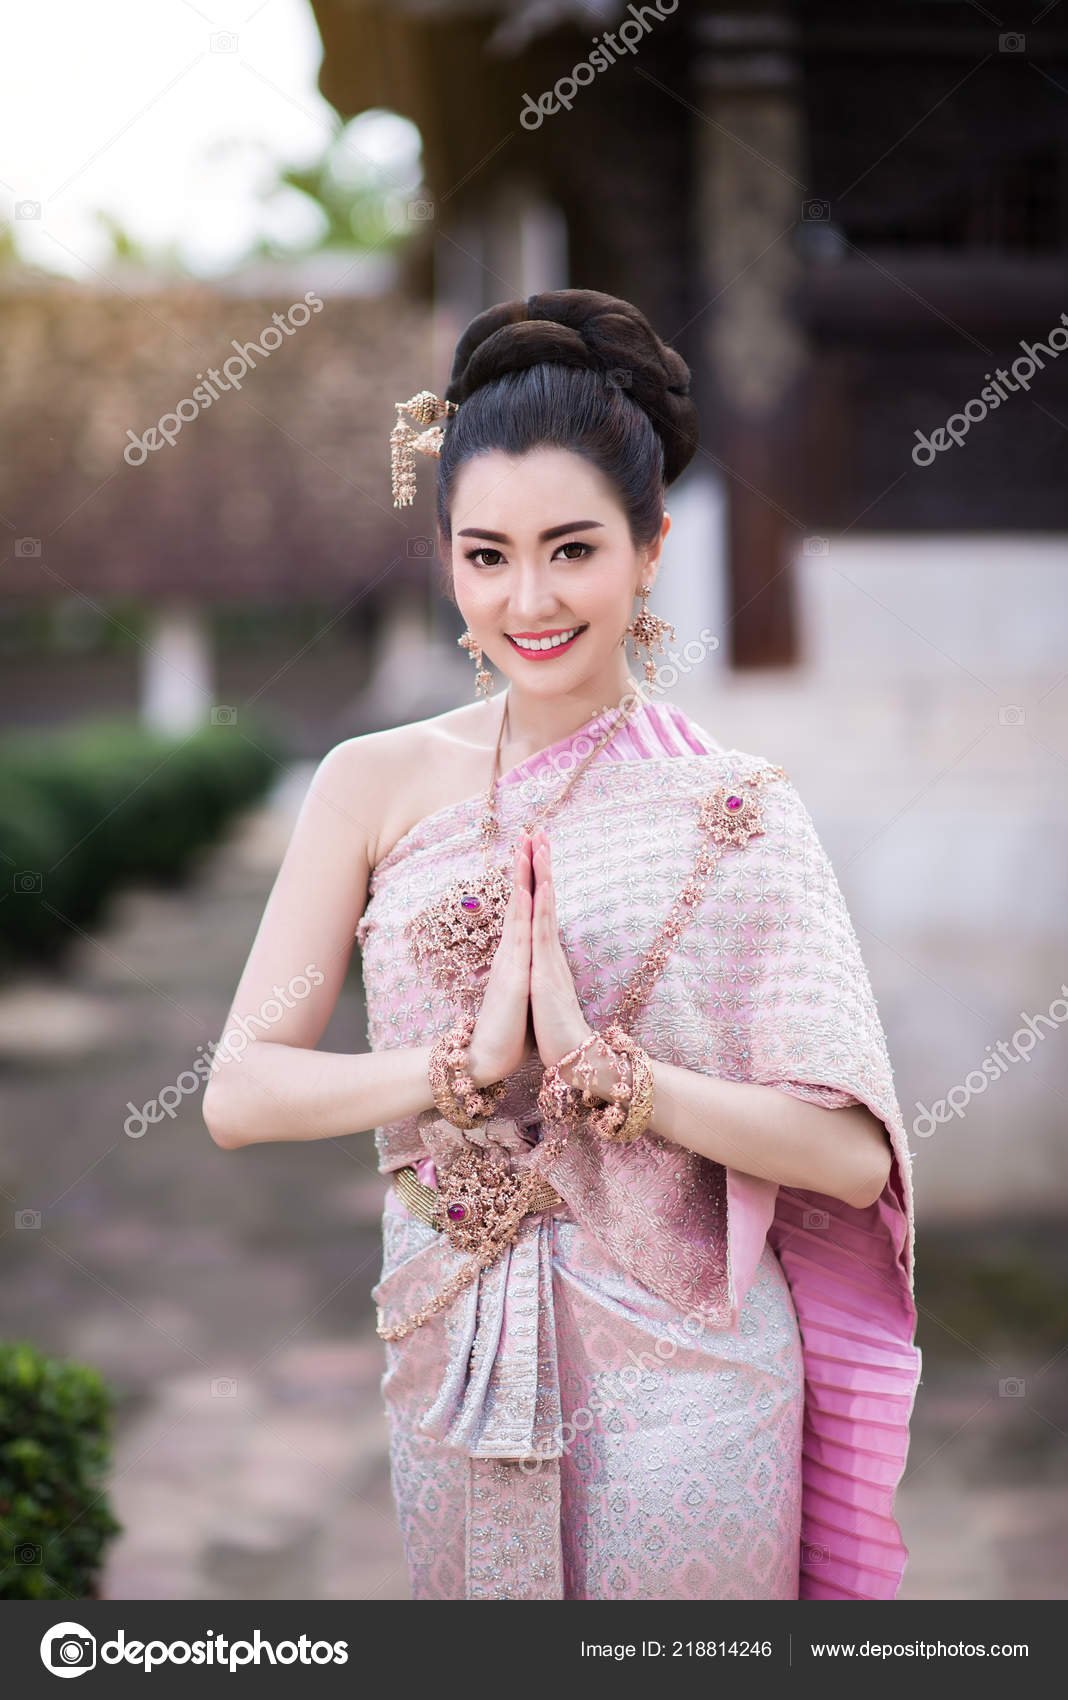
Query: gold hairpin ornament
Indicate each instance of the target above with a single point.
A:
(404, 440)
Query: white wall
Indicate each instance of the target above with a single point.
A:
(927, 731)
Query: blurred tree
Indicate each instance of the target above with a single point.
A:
(367, 186)
(123, 245)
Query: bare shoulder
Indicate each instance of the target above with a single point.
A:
(358, 780)
(402, 773)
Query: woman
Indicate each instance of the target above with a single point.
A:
(646, 1289)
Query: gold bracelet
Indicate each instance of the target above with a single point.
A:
(609, 1120)
(457, 1098)
(640, 1107)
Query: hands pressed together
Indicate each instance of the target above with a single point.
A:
(530, 999)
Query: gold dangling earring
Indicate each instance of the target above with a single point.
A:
(483, 680)
(648, 632)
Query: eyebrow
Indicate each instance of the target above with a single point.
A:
(544, 537)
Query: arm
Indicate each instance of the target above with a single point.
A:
(757, 1129)
(845, 1153)
(268, 1081)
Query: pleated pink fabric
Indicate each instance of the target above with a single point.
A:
(767, 984)
(851, 1276)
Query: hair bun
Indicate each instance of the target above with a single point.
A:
(601, 333)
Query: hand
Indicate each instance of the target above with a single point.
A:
(559, 1024)
(500, 1042)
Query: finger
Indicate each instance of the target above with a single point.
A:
(521, 916)
(524, 895)
(535, 918)
(514, 945)
(521, 859)
(545, 915)
(546, 888)
(541, 888)
(522, 935)
(550, 883)
(521, 879)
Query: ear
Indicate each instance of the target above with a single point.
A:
(652, 553)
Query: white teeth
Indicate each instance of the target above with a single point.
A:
(546, 643)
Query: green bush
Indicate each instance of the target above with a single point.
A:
(55, 1440)
(32, 838)
(87, 811)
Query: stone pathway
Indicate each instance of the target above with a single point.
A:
(226, 1295)
(274, 1487)
(983, 1507)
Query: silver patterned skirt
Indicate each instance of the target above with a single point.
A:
(560, 1432)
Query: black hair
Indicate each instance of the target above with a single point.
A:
(578, 370)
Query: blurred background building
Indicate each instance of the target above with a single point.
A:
(849, 225)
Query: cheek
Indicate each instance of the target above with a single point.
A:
(602, 602)
(605, 581)
(474, 593)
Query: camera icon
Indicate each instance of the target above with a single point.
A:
(1012, 43)
(817, 1220)
(815, 209)
(27, 209)
(25, 1553)
(27, 1218)
(223, 41)
(619, 378)
(1011, 714)
(813, 1554)
(223, 716)
(420, 211)
(28, 548)
(1011, 1387)
(68, 1649)
(223, 1387)
(419, 548)
(815, 546)
(27, 881)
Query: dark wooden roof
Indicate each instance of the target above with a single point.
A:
(460, 72)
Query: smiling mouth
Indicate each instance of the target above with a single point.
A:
(546, 645)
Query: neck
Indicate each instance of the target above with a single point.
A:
(536, 722)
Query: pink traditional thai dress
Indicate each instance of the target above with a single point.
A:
(685, 1382)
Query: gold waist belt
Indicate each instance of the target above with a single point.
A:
(426, 1202)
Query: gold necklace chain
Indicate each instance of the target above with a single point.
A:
(726, 815)
(490, 826)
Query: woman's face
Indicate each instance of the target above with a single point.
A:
(540, 545)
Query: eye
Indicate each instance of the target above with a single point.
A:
(474, 555)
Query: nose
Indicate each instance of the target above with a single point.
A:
(533, 605)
